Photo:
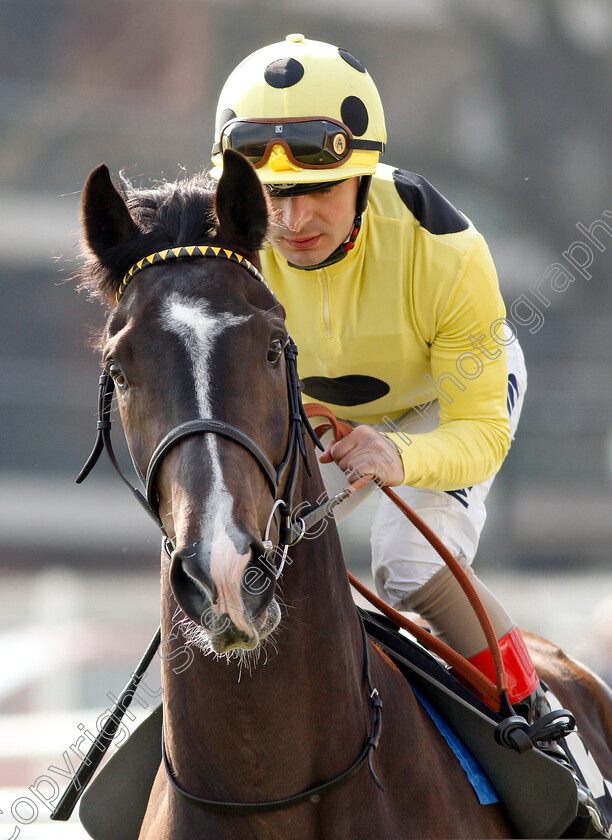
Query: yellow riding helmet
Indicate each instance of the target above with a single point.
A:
(304, 87)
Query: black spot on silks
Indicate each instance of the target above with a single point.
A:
(350, 59)
(284, 73)
(225, 117)
(355, 115)
(345, 390)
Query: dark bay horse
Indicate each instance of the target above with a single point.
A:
(266, 689)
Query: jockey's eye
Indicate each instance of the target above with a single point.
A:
(115, 372)
(275, 349)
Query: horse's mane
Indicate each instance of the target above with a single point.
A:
(169, 214)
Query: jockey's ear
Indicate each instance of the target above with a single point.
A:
(240, 203)
(105, 217)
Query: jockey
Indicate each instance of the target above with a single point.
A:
(393, 299)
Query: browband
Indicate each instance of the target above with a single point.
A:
(183, 252)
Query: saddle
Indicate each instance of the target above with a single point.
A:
(538, 794)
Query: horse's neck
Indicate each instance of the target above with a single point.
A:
(311, 672)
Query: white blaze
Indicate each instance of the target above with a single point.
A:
(198, 328)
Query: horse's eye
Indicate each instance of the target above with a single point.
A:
(275, 349)
(114, 370)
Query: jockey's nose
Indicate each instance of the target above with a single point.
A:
(296, 212)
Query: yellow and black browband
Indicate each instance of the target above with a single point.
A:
(185, 252)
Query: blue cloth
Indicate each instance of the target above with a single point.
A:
(479, 781)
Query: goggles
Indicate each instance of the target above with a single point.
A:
(309, 142)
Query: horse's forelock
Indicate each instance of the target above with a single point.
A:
(174, 210)
(167, 215)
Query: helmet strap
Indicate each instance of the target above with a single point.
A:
(363, 193)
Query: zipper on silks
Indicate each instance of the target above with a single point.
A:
(326, 315)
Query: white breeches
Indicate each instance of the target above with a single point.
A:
(402, 559)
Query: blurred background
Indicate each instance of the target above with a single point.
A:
(504, 105)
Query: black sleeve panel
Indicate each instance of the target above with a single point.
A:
(434, 212)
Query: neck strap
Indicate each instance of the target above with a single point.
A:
(311, 794)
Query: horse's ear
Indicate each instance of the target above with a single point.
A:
(106, 219)
(240, 203)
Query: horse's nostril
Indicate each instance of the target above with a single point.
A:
(259, 579)
(194, 594)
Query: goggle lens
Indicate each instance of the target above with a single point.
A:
(310, 144)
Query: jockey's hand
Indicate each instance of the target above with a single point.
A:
(366, 455)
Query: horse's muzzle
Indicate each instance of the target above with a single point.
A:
(233, 613)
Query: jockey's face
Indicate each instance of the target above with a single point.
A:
(306, 229)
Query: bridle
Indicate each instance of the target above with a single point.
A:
(282, 481)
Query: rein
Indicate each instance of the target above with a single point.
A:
(461, 665)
